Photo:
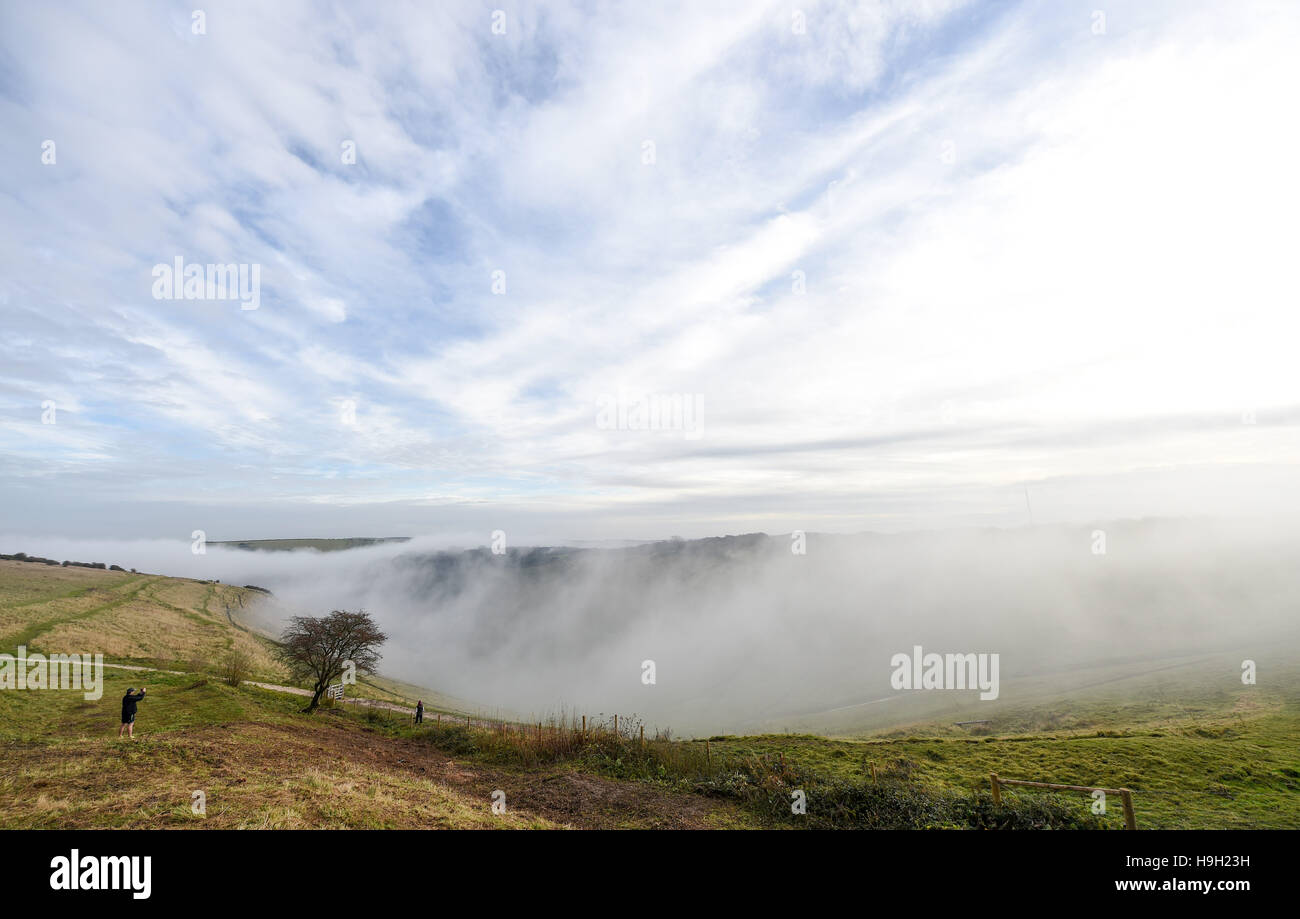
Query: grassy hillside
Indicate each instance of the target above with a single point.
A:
(1197, 747)
(258, 760)
(131, 618)
(160, 622)
(262, 764)
(1234, 762)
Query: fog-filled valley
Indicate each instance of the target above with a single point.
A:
(750, 632)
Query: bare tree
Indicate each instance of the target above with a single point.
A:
(318, 649)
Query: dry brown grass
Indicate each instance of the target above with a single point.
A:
(323, 772)
(24, 582)
(127, 617)
(259, 762)
(31, 594)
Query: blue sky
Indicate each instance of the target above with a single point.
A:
(909, 259)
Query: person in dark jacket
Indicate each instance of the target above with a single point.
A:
(129, 702)
(419, 712)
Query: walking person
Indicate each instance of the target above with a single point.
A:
(419, 712)
(129, 702)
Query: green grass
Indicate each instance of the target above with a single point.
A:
(259, 760)
(174, 702)
(123, 591)
(762, 786)
(1201, 751)
(261, 763)
(1198, 748)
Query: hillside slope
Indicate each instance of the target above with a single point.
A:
(260, 763)
(1197, 747)
(130, 618)
(257, 761)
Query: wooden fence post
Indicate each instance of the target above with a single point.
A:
(584, 727)
(1130, 820)
(1126, 795)
(616, 725)
(643, 735)
(873, 772)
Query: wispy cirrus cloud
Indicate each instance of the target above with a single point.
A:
(910, 257)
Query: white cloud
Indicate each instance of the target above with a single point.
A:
(1030, 253)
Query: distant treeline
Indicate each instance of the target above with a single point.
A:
(24, 557)
(320, 545)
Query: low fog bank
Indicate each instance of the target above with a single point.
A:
(742, 630)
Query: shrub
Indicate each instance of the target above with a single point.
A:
(762, 784)
(235, 667)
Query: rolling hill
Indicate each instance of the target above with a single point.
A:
(1197, 747)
